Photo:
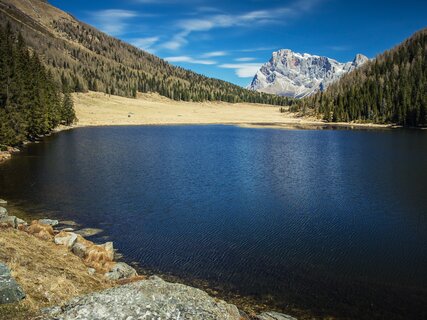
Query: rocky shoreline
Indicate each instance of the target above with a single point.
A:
(131, 296)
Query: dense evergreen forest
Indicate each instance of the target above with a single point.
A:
(87, 59)
(31, 102)
(390, 89)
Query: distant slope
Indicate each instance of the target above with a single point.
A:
(390, 89)
(84, 58)
(299, 75)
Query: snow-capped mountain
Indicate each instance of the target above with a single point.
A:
(299, 75)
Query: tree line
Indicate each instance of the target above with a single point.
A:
(392, 88)
(32, 103)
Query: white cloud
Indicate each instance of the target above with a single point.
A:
(247, 19)
(258, 49)
(244, 59)
(112, 21)
(243, 70)
(144, 43)
(339, 48)
(215, 54)
(176, 42)
(189, 60)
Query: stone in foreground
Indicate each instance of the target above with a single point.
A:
(121, 271)
(66, 239)
(274, 316)
(3, 212)
(10, 291)
(147, 299)
(11, 221)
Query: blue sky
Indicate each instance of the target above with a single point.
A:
(230, 39)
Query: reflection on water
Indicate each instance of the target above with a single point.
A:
(333, 222)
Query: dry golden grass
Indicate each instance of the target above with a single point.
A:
(41, 231)
(99, 258)
(99, 109)
(49, 274)
(95, 108)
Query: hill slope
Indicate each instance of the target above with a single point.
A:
(390, 89)
(84, 58)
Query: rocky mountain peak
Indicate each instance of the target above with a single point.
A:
(297, 75)
(360, 59)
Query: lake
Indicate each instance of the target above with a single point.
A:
(329, 222)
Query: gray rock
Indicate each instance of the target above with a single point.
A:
(67, 229)
(88, 232)
(10, 220)
(146, 299)
(244, 315)
(10, 291)
(49, 222)
(69, 223)
(20, 221)
(3, 212)
(79, 249)
(67, 239)
(3, 201)
(121, 271)
(91, 271)
(274, 316)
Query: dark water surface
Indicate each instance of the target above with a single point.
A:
(334, 222)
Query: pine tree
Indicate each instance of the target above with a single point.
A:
(68, 114)
(30, 100)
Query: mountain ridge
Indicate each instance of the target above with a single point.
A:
(298, 75)
(84, 58)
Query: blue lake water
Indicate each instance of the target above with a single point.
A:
(333, 222)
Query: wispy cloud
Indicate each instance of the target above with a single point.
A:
(243, 70)
(244, 59)
(188, 59)
(257, 49)
(112, 21)
(215, 54)
(177, 41)
(145, 43)
(339, 48)
(247, 19)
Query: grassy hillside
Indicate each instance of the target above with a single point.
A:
(390, 89)
(83, 58)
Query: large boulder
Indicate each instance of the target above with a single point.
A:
(10, 291)
(10, 221)
(121, 270)
(79, 249)
(146, 299)
(274, 316)
(3, 212)
(67, 239)
(81, 246)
